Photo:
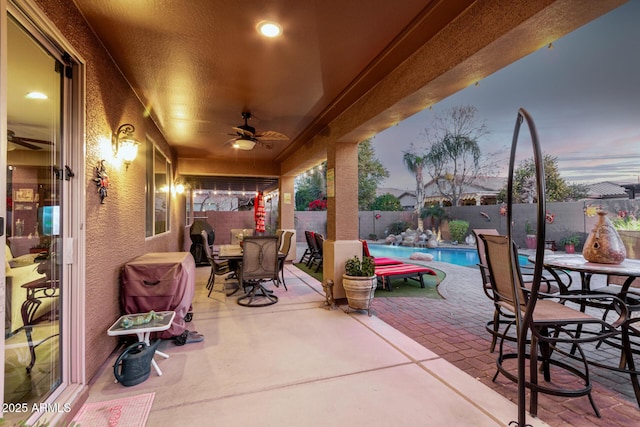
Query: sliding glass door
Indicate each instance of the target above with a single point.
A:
(34, 222)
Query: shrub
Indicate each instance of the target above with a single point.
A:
(399, 227)
(360, 268)
(318, 205)
(458, 229)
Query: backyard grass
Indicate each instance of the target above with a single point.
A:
(401, 288)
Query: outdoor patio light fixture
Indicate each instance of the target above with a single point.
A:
(269, 29)
(125, 147)
(179, 188)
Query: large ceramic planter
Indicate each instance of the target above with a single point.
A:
(359, 291)
(531, 241)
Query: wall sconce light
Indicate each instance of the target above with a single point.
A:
(180, 188)
(125, 146)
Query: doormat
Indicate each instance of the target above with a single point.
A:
(126, 412)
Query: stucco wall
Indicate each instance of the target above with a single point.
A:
(115, 230)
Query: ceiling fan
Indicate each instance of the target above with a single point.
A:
(246, 137)
(26, 142)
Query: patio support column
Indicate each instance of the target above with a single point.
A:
(342, 212)
(286, 207)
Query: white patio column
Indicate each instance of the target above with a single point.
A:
(286, 211)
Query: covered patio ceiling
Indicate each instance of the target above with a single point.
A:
(342, 70)
(230, 183)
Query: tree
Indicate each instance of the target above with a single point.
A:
(415, 163)
(453, 157)
(524, 182)
(436, 213)
(577, 192)
(310, 186)
(370, 174)
(386, 202)
(313, 185)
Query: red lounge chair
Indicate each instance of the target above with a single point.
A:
(404, 270)
(378, 261)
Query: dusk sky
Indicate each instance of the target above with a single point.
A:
(583, 95)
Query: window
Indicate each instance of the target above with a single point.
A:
(158, 197)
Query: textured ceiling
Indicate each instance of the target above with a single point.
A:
(198, 64)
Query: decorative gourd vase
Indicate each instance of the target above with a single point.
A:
(604, 245)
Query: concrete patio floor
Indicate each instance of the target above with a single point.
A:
(296, 363)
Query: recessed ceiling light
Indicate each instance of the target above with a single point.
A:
(269, 29)
(36, 95)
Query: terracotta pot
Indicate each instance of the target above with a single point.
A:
(359, 291)
(570, 249)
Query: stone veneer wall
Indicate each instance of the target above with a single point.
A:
(115, 230)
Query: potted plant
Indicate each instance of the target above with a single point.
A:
(570, 242)
(627, 224)
(359, 282)
(531, 239)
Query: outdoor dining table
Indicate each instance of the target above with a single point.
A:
(234, 253)
(630, 270)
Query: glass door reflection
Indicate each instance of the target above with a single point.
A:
(34, 224)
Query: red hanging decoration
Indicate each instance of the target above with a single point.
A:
(259, 213)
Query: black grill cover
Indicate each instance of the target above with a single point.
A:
(198, 252)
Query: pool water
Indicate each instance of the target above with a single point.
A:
(459, 256)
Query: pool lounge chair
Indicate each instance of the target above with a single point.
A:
(378, 261)
(386, 268)
(404, 270)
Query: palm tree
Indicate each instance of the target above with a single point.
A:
(437, 214)
(415, 164)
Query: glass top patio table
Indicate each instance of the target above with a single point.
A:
(629, 268)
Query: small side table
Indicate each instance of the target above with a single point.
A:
(162, 323)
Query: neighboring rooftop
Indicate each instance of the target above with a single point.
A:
(607, 190)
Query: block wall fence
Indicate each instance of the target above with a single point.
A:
(568, 218)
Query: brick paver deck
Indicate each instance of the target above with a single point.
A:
(454, 328)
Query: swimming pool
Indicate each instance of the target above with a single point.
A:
(459, 256)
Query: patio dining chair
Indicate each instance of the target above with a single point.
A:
(286, 238)
(259, 265)
(550, 323)
(501, 317)
(218, 267)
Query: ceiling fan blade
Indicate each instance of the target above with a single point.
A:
(270, 135)
(242, 131)
(39, 141)
(265, 145)
(18, 141)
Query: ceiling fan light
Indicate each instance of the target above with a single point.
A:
(244, 144)
(36, 95)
